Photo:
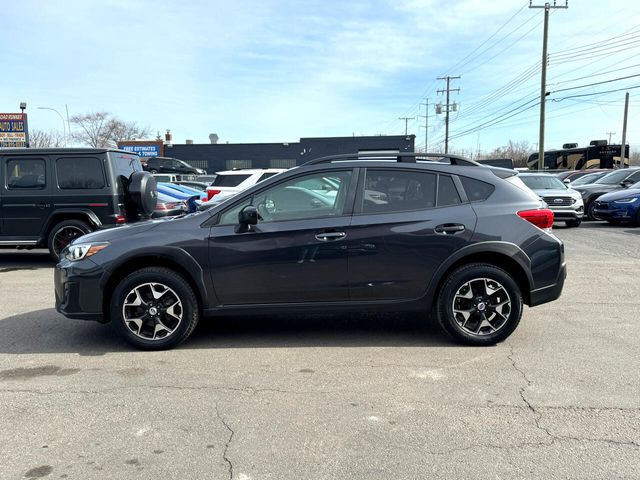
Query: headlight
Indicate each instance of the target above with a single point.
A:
(80, 251)
(626, 200)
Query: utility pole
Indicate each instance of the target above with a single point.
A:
(406, 123)
(623, 149)
(543, 80)
(426, 125)
(610, 133)
(447, 109)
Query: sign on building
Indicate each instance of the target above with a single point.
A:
(143, 148)
(13, 130)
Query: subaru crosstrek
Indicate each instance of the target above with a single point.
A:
(468, 243)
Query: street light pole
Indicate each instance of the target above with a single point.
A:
(64, 128)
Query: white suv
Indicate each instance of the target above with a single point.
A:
(230, 182)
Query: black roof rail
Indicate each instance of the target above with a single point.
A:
(401, 157)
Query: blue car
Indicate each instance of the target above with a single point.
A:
(622, 206)
(172, 192)
(185, 189)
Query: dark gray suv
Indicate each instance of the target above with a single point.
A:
(435, 234)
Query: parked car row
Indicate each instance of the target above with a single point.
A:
(598, 194)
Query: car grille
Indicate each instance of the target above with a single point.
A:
(559, 201)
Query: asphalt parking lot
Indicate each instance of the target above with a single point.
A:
(330, 396)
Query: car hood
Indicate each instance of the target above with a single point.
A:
(618, 195)
(110, 234)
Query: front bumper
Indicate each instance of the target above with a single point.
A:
(78, 290)
(568, 213)
(615, 212)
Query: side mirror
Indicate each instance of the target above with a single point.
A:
(567, 181)
(627, 183)
(248, 215)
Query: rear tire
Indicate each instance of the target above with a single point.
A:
(479, 304)
(63, 233)
(154, 308)
(573, 223)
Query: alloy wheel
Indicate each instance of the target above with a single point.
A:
(481, 306)
(152, 311)
(65, 236)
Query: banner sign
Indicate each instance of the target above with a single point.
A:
(151, 150)
(13, 130)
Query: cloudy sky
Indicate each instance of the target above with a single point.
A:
(277, 70)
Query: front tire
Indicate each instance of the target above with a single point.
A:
(573, 223)
(479, 304)
(154, 308)
(590, 211)
(62, 234)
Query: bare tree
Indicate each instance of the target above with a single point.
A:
(102, 129)
(121, 131)
(517, 151)
(44, 139)
(634, 158)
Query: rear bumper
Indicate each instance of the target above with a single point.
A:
(77, 290)
(551, 292)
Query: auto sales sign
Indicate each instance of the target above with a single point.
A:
(13, 130)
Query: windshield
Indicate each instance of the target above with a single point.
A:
(613, 178)
(542, 182)
(589, 178)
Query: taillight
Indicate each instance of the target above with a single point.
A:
(121, 219)
(541, 218)
(211, 192)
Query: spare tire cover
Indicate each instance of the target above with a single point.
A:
(143, 192)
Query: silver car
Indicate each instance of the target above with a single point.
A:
(565, 202)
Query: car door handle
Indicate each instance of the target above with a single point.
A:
(330, 236)
(449, 228)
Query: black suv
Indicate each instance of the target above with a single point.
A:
(48, 197)
(171, 165)
(469, 243)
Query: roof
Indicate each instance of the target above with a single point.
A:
(43, 151)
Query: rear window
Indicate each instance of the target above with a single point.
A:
(124, 165)
(476, 190)
(229, 180)
(79, 173)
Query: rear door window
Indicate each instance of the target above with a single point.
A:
(447, 192)
(388, 191)
(80, 173)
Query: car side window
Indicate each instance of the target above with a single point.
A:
(447, 192)
(388, 191)
(26, 173)
(79, 173)
(476, 190)
(291, 200)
